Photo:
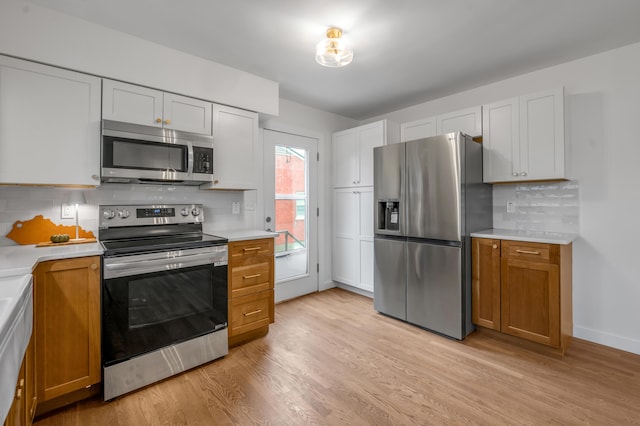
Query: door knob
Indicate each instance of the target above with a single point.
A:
(268, 219)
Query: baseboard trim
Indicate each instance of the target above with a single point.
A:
(607, 339)
(356, 290)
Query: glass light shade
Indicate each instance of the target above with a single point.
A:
(333, 52)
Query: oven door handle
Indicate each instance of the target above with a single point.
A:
(123, 269)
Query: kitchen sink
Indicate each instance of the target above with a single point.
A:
(16, 324)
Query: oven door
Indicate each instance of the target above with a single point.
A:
(153, 300)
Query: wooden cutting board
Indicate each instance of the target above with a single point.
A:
(39, 229)
(49, 243)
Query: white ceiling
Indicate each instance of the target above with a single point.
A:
(405, 51)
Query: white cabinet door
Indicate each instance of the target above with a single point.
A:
(369, 137)
(418, 129)
(345, 238)
(344, 148)
(49, 125)
(235, 136)
(501, 140)
(365, 240)
(524, 138)
(468, 121)
(131, 104)
(186, 114)
(542, 135)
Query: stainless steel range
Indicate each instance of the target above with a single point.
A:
(164, 294)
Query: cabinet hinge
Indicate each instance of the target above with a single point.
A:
(318, 212)
(318, 267)
(318, 156)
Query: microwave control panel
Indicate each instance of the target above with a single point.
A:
(202, 160)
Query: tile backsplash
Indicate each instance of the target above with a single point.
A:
(545, 206)
(24, 203)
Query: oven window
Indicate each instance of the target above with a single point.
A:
(131, 154)
(146, 312)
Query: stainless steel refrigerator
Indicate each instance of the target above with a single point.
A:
(429, 197)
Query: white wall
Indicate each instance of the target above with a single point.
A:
(602, 120)
(307, 121)
(39, 34)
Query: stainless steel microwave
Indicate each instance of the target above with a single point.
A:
(132, 153)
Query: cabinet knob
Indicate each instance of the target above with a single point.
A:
(167, 121)
(94, 266)
(158, 120)
(495, 246)
(95, 177)
(514, 174)
(216, 181)
(523, 174)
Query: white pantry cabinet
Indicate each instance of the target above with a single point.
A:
(524, 138)
(353, 152)
(353, 237)
(467, 121)
(130, 103)
(235, 138)
(49, 125)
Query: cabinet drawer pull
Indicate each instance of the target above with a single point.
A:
(19, 393)
(246, 277)
(527, 252)
(495, 246)
(252, 313)
(251, 249)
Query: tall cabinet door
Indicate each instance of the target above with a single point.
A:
(369, 137)
(344, 148)
(434, 288)
(345, 237)
(365, 240)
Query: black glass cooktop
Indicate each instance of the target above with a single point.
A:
(154, 244)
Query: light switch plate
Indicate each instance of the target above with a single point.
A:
(235, 207)
(67, 211)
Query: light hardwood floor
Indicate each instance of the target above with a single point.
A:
(330, 359)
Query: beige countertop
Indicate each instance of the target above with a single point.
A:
(529, 236)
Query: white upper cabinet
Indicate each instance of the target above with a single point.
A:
(467, 121)
(49, 125)
(418, 129)
(353, 152)
(524, 138)
(235, 154)
(140, 105)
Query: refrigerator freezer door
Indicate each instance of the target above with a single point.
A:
(389, 186)
(434, 188)
(389, 283)
(434, 288)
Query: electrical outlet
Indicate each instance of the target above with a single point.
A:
(68, 211)
(511, 207)
(235, 207)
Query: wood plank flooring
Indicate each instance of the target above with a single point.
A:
(330, 359)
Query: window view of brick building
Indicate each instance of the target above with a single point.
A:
(290, 203)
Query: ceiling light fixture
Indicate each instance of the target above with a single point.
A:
(333, 52)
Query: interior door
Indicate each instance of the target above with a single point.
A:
(290, 205)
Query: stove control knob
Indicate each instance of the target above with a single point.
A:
(195, 211)
(123, 214)
(184, 212)
(109, 214)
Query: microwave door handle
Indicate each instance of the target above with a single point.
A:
(190, 159)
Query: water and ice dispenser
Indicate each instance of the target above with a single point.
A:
(389, 215)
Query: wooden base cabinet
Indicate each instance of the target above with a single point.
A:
(251, 289)
(67, 329)
(523, 289)
(24, 404)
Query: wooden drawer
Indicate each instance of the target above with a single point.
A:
(250, 312)
(535, 252)
(252, 251)
(250, 279)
